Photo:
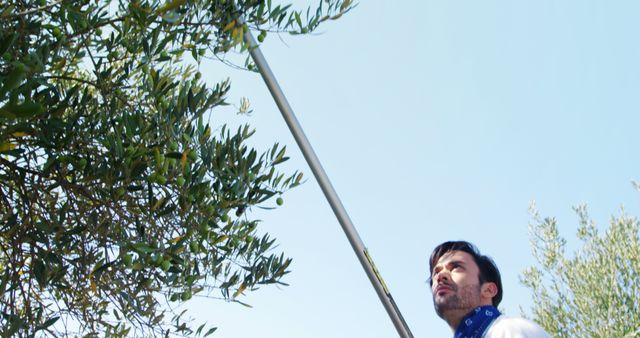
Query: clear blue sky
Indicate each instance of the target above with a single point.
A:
(437, 120)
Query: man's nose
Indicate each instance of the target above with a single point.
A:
(442, 275)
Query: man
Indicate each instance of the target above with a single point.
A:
(467, 289)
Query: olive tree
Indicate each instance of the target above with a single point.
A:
(596, 291)
(118, 197)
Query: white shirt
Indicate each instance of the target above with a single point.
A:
(514, 327)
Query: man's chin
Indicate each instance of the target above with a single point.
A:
(442, 299)
(441, 305)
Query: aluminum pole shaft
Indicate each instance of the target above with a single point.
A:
(327, 188)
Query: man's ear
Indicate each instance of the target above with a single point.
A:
(489, 290)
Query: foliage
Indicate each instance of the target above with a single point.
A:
(595, 293)
(117, 197)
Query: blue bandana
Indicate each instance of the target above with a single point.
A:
(476, 322)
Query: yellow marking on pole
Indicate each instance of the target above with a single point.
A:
(375, 270)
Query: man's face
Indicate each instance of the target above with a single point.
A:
(455, 283)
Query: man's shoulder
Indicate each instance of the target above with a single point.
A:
(514, 327)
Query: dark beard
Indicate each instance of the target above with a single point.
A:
(466, 298)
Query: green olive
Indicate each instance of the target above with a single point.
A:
(193, 155)
(161, 179)
(82, 163)
(156, 156)
(153, 178)
(194, 247)
(185, 296)
(147, 282)
(56, 32)
(120, 191)
(157, 260)
(127, 260)
(173, 145)
(166, 264)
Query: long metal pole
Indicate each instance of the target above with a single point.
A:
(327, 188)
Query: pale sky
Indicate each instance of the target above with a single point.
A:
(435, 121)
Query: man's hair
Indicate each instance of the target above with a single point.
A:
(488, 269)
